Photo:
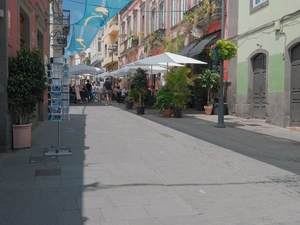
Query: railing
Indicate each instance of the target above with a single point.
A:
(131, 42)
(218, 8)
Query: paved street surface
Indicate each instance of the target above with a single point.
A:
(129, 169)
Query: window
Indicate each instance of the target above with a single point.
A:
(134, 24)
(162, 15)
(174, 18)
(129, 31)
(123, 34)
(153, 20)
(143, 18)
(257, 4)
(183, 8)
(99, 45)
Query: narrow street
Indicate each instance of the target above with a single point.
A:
(130, 169)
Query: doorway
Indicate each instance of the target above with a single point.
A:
(295, 86)
(259, 86)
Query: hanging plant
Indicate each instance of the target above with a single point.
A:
(223, 49)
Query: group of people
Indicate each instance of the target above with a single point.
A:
(100, 90)
(79, 93)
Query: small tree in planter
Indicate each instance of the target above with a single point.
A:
(210, 81)
(140, 83)
(164, 101)
(223, 49)
(26, 86)
(178, 82)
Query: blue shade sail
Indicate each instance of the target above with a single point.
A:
(97, 14)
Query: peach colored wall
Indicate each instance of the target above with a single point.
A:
(149, 6)
(13, 37)
(13, 31)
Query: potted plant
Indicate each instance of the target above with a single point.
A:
(223, 49)
(164, 101)
(140, 83)
(25, 89)
(210, 81)
(128, 102)
(178, 82)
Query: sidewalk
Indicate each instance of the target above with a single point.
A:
(149, 170)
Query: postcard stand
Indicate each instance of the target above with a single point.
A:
(58, 103)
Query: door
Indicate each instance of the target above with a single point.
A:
(295, 86)
(259, 86)
(295, 93)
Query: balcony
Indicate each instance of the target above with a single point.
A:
(108, 60)
(129, 45)
(215, 15)
(113, 28)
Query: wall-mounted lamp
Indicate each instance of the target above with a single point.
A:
(60, 38)
(1, 13)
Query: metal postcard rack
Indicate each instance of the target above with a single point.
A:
(58, 102)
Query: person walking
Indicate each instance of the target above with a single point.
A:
(89, 88)
(108, 93)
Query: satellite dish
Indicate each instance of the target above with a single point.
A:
(197, 32)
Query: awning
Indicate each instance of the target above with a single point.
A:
(201, 45)
(187, 49)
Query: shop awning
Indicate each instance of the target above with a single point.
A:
(187, 49)
(201, 45)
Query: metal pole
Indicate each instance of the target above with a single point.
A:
(112, 60)
(220, 123)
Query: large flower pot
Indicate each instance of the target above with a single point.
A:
(140, 110)
(177, 113)
(208, 109)
(21, 136)
(128, 105)
(167, 113)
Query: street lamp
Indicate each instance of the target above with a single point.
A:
(220, 123)
(112, 49)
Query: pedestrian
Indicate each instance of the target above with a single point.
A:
(108, 91)
(89, 88)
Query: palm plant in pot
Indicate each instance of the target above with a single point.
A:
(210, 81)
(140, 82)
(179, 83)
(164, 101)
(26, 87)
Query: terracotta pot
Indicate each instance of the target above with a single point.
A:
(21, 136)
(208, 109)
(167, 112)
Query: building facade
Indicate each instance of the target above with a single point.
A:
(22, 23)
(265, 77)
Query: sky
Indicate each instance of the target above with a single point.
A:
(76, 8)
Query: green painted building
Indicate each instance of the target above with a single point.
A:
(264, 78)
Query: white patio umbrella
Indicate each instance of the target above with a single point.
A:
(168, 58)
(83, 69)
